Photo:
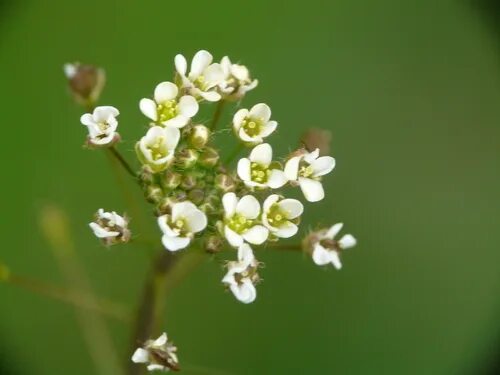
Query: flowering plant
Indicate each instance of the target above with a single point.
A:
(200, 203)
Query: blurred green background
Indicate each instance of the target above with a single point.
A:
(411, 92)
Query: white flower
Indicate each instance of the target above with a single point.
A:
(240, 220)
(307, 169)
(242, 275)
(179, 228)
(110, 227)
(326, 249)
(237, 81)
(280, 216)
(157, 147)
(256, 171)
(159, 354)
(254, 125)
(204, 77)
(166, 110)
(101, 125)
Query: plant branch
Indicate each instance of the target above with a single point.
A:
(122, 161)
(217, 114)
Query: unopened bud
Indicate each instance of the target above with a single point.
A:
(171, 180)
(209, 158)
(317, 138)
(85, 82)
(187, 158)
(146, 175)
(214, 244)
(188, 182)
(225, 183)
(207, 207)
(154, 193)
(196, 196)
(199, 136)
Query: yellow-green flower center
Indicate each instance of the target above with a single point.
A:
(306, 171)
(239, 223)
(103, 126)
(167, 110)
(276, 216)
(158, 149)
(201, 83)
(179, 225)
(252, 126)
(259, 173)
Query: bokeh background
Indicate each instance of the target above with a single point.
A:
(411, 93)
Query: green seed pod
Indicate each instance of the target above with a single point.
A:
(199, 136)
(209, 158)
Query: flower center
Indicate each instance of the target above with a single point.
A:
(252, 126)
(201, 83)
(306, 171)
(276, 216)
(249, 273)
(167, 110)
(239, 223)
(158, 149)
(179, 226)
(330, 244)
(103, 126)
(259, 173)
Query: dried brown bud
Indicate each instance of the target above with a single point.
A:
(85, 82)
(317, 138)
(214, 244)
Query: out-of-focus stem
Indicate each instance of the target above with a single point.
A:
(122, 161)
(217, 114)
(55, 227)
(72, 297)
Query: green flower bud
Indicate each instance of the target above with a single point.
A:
(199, 136)
(196, 196)
(214, 244)
(188, 182)
(146, 175)
(209, 158)
(154, 193)
(208, 207)
(171, 180)
(225, 183)
(187, 158)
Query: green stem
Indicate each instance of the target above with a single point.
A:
(217, 114)
(122, 161)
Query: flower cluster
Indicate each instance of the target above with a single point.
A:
(199, 201)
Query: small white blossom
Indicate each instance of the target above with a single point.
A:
(110, 227)
(101, 125)
(180, 227)
(257, 170)
(237, 81)
(203, 78)
(242, 276)
(280, 216)
(166, 110)
(157, 147)
(327, 250)
(307, 169)
(159, 354)
(241, 220)
(254, 125)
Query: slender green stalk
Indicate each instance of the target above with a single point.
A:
(217, 114)
(122, 161)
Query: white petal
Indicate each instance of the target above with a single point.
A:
(163, 223)
(103, 113)
(347, 241)
(175, 243)
(268, 128)
(155, 367)
(165, 91)
(239, 117)
(172, 136)
(311, 156)
(225, 63)
(196, 220)
(229, 201)
(335, 260)
(287, 231)
(334, 230)
(210, 96)
(200, 62)
(261, 111)
(321, 256)
(292, 168)
(232, 237)
(70, 70)
(87, 119)
(276, 179)
(249, 207)
(101, 232)
(262, 154)
(313, 190)
(323, 165)
(180, 64)
(245, 254)
(256, 235)
(148, 108)
(188, 106)
(244, 170)
(214, 75)
(180, 209)
(160, 341)
(246, 138)
(246, 292)
(140, 356)
(178, 121)
(270, 200)
(292, 207)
